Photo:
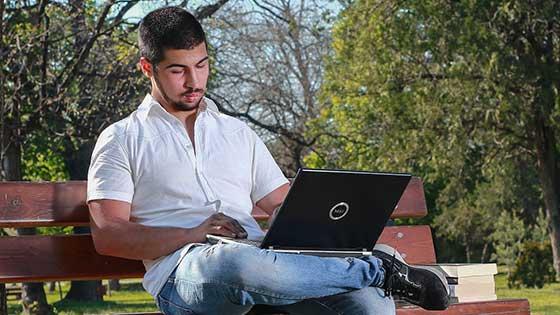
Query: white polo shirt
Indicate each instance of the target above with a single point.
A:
(147, 159)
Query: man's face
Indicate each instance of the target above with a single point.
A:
(181, 77)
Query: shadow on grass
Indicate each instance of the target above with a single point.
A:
(14, 309)
(134, 286)
(83, 307)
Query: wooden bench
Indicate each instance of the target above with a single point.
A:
(73, 257)
(13, 292)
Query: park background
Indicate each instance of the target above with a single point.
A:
(463, 94)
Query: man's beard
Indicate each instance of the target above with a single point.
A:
(178, 105)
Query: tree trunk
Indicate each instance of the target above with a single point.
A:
(3, 140)
(467, 249)
(114, 284)
(34, 300)
(77, 163)
(484, 252)
(33, 295)
(85, 291)
(547, 157)
(548, 175)
(3, 305)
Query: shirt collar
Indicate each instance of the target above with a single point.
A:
(150, 105)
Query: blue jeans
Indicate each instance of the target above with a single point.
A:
(232, 278)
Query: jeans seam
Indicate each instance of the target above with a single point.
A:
(176, 305)
(326, 306)
(251, 289)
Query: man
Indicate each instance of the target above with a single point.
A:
(176, 170)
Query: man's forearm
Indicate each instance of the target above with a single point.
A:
(136, 241)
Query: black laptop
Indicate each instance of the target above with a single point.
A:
(332, 213)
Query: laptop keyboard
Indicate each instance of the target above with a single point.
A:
(248, 242)
(224, 239)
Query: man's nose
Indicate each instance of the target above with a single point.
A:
(191, 78)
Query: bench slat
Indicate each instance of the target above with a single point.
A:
(61, 257)
(66, 257)
(500, 307)
(413, 242)
(27, 204)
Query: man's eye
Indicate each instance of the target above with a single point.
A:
(201, 65)
(177, 72)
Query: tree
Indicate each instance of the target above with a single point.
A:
(68, 70)
(447, 90)
(269, 68)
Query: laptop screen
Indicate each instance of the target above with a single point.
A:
(335, 210)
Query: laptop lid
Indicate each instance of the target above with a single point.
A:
(335, 210)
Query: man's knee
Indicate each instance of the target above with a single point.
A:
(222, 263)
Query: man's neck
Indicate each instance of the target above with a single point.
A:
(185, 117)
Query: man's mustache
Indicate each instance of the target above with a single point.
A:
(192, 91)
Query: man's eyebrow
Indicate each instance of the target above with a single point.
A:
(202, 60)
(175, 65)
(184, 66)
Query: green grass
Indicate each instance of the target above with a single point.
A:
(545, 301)
(133, 298)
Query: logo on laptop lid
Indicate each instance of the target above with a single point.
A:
(339, 211)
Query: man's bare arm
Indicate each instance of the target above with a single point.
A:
(273, 200)
(114, 235)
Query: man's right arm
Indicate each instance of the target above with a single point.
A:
(115, 235)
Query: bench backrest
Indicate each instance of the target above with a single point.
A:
(73, 257)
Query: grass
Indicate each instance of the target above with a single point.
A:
(545, 301)
(133, 298)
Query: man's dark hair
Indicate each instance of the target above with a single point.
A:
(169, 27)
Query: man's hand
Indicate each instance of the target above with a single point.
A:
(221, 224)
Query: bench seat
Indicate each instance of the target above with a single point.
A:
(63, 257)
(502, 307)
(499, 307)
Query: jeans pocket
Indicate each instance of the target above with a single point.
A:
(168, 307)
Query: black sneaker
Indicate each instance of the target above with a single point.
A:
(425, 288)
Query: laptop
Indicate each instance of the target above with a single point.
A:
(331, 213)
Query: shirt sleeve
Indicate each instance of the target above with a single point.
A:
(109, 175)
(266, 174)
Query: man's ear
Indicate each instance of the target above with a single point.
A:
(146, 67)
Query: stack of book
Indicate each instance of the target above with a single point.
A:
(469, 282)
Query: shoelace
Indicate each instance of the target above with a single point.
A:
(397, 283)
(389, 286)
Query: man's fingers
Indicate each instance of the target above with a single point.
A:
(242, 232)
(232, 224)
(221, 230)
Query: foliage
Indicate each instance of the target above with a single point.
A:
(460, 93)
(508, 239)
(69, 69)
(533, 267)
(269, 69)
(474, 212)
(42, 160)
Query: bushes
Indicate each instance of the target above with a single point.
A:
(533, 267)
